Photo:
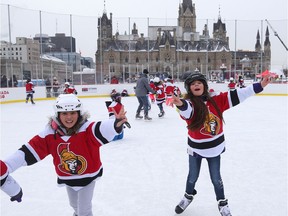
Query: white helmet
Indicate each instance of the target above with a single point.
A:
(231, 79)
(67, 83)
(67, 103)
(156, 80)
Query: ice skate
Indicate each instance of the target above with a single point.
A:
(185, 202)
(224, 208)
(138, 116)
(161, 114)
(147, 118)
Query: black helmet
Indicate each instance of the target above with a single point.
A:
(116, 97)
(193, 77)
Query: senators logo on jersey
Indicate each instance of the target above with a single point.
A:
(70, 162)
(211, 125)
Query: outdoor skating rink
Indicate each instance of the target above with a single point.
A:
(145, 173)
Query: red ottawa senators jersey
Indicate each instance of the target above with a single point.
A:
(116, 106)
(169, 89)
(160, 93)
(29, 87)
(76, 158)
(70, 90)
(3, 170)
(209, 141)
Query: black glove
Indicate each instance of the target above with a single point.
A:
(17, 197)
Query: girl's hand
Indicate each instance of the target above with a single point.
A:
(176, 100)
(265, 81)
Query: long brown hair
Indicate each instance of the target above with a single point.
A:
(201, 109)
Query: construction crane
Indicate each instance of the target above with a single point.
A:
(276, 34)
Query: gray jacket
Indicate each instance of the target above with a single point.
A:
(142, 86)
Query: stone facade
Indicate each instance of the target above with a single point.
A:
(174, 50)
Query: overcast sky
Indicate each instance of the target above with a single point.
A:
(242, 11)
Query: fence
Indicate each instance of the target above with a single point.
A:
(241, 36)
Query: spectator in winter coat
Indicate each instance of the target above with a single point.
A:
(74, 143)
(142, 90)
(55, 87)
(203, 113)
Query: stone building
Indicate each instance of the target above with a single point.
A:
(174, 50)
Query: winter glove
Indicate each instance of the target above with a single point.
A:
(17, 197)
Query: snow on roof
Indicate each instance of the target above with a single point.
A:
(51, 58)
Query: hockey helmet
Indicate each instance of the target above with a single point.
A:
(193, 77)
(156, 80)
(67, 103)
(67, 83)
(116, 97)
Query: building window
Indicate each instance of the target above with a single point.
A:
(126, 60)
(137, 60)
(111, 60)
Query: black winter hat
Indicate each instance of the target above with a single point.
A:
(145, 71)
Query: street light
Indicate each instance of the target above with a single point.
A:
(223, 69)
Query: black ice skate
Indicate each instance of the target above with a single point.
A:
(224, 208)
(161, 114)
(185, 202)
(138, 116)
(147, 118)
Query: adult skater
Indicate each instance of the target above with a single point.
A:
(203, 113)
(74, 143)
(142, 89)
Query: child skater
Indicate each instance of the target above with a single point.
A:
(169, 90)
(9, 185)
(160, 95)
(68, 89)
(113, 107)
(74, 143)
(29, 91)
(203, 113)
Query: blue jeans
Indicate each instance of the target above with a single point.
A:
(215, 176)
(143, 102)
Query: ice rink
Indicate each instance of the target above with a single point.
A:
(145, 173)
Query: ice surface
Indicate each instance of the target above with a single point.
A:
(145, 173)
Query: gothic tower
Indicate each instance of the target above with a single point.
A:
(219, 30)
(187, 16)
(267, 49)
(258, 44)
(104, 29)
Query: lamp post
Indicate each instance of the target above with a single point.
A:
(223, 69)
